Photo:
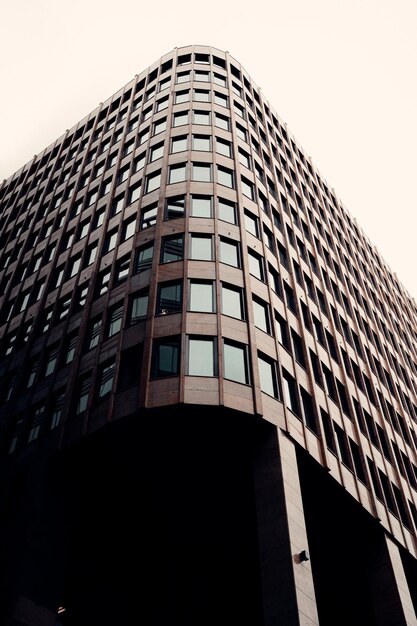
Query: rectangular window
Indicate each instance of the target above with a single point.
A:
(201, 206)
(201, 117)
(183, 77)
(159, 126)
(202, 142)
(144, 257)
(227, 211)
(51, 360)
(182, 96)
(122, 269)
(201, 95)
(94, 333)
(177, 173)
(201, 172)
(179, 144)
(221, 121)
(252, 223)
(256, 265)
(290, 393)
(71, 344)
(139, 306)
(157, 152)
(220, 99)
(261, 315)
(201, 296)
(57, 410)
(166, 357)
(201, 247)
(174, 207)
(153, 181)
(74, 266)
(225, 177)
(180, 119)
(223, 147)
(229, 252)
(235, 362)
(267, 375)
(201, 356)
(106, 377)
(129, 228)
(110, 242)
(202, 77)
(169, 298)
(248, 188)
(84, 385)
(232, 301)
(148, 216)
(114, 320)
(172, 248)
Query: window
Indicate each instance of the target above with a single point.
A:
(223, 147)
(267, 375)
(157, 151)
(220, 80)
(202, 142)
(143, 136)
(106, 377)
(114, 321)
(71, 344)
(139, 162)
(201, 356)
(163, 102)
(201, 117)
(166, 357)
(244, 158)
(51, 360)
(247, 188)
(144, 257)
(103, 283)
(221, 121)
(148, 216)
(182, 96)
(241, 132)
(261, 316)
(153, 181)
(172, 248)
(94, 333)
(201, 206)
(177, 173)
(57, 410)
(123, 175)
(232, 301)
(169, 298)
(179, 144)
(134, 193)
(227, 211)
(252, 224)
(201, 172)
(84, 385)
(180, 119)
(235, 362)
(201, 76)
(201, 95)
(117, 205)
(289, 386)
(225, 176)
(139, 306)
(282, 332)
(201, 296)
(174, 207)
(128, 228)
(201, 247)
(229, 252)
(183, 77)
(36, 422)
(159, 126)
(110, 242)
(256, 266)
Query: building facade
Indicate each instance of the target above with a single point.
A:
(208, 374)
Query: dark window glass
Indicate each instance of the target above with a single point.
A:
(166, 357)
(169, 298)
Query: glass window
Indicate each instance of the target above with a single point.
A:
(84, 385)
(235, 362)
(247, 188)
(221, 121)
(129, 228)
(159, 126)
(201, 95)
(201, 206)
(232, 301)
(139, 306)
(241, 132)
(143, 136)
(201, 76)
(148, 216)
(172, 248)
(183, 77)
(110, 242)
(201, 117)
(153, 181)
(223, 147)
(202, 142)
(244, 158)
(174, 207)
(144, 257)
(71, 344)
(251, 224)
(74, 267)
(139, 162)
(219, 80)
(180, 119)
(103, 283)
(94, 333)
(157, 152)
(201, 355)
(182, 96)
(227, 211)
(229, 252)
(261, 316)
(51, 360)
(225, 176)
(162, 103)
(201, 296)
(179, 144)
(221, 99)
(267, 376)
(166, 357)
(256, 267)
(169, 298)
(134, 193)
(201, 172)
(106, 377)
(114, 323)
(58, 408)
(201, 247)
(177, 173)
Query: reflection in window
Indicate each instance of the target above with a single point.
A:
(169, 298)
(172, 248)
(201, 296)
(114, 322)
(174, 207)
(166, 357)
(201, 356)
(148, 216)
(139, 306)
(235, 362)
(144, 258)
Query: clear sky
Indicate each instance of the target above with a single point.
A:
(341, 73)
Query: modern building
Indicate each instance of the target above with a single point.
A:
(208, 374)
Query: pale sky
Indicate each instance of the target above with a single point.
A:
(341, 73)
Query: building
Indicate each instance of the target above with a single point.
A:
(208, 374)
